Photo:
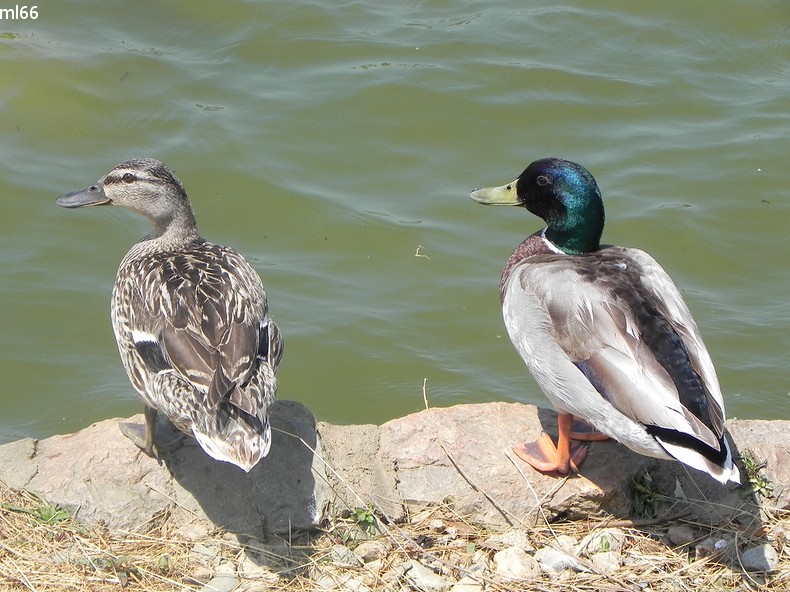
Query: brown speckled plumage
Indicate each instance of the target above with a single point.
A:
(191, 319)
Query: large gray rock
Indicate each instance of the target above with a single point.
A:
(99, 475)
(463, 453)
(460, 455)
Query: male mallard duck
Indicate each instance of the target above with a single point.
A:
(605, 333)
(191, 320)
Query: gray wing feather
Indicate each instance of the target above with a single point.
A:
(597, 330)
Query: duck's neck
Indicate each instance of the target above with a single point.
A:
(577, 230)
(535, 244)
(173, 234)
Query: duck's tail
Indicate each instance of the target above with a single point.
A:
(238, 443)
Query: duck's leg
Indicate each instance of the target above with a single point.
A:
(150, 423)
(581, 430)
(144, 442)
(544, 456)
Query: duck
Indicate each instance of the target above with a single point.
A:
(191, 321)
(605, 333)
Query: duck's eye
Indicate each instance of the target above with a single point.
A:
(542, 180)
(509, 188)
(128, 177)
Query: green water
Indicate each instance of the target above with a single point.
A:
(335, 144)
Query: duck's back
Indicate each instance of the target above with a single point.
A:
(199, 313)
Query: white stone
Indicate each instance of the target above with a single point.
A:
(344, 582)
(514, 562)
(371, 550)
(711, 546)
(566, 542)
(553, 560)
(221, 583)
(510, 538)
(598, 541)
(437, 526)
(250, 570)
(606, 562)
(344, 557)
(192, 532)
(467, 584)
(424, 579)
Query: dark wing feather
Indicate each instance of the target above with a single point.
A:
(206, 308)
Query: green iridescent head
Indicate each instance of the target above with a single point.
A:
(561, 192)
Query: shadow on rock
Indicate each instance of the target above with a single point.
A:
(636, 486)
(277, 495)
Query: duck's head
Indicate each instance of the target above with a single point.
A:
(561, 192)
(143, 185)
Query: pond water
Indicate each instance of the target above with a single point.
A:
(335, 145)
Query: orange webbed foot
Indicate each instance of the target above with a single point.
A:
(545, 457)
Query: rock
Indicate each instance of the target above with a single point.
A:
(224, 581)
(394, 576)
(606, 562)
(340, 581)
(467, 584)
(321, 469)
(760, 558)
(604, 540)
(205, 553)
(466, 448)
(762, 439)
(193, 532)
(359, 476)
(344, 557)
(423, 578)
(514, 563)
(553, 561)
(372, 550)
(100, 476)
(509, 538)
(437, 526)
(565, 542)
(680, 535)
(252, 570)
(711, 546)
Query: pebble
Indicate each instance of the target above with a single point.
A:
(371, 550)
(437, 526)
(711, 546)
(566, 542)
(606, 562)
(553, 560)
(598, 541)
(510, 538)
(251, 570)
(224, 581)
(205, 554)
(680, 535)
(514, 562)
(760, 558)
(344, 557)
(467, 584)
(192, 532)
(396, 573)
(345, 582)
(423, 578)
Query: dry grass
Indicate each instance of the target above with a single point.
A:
(42, 549)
